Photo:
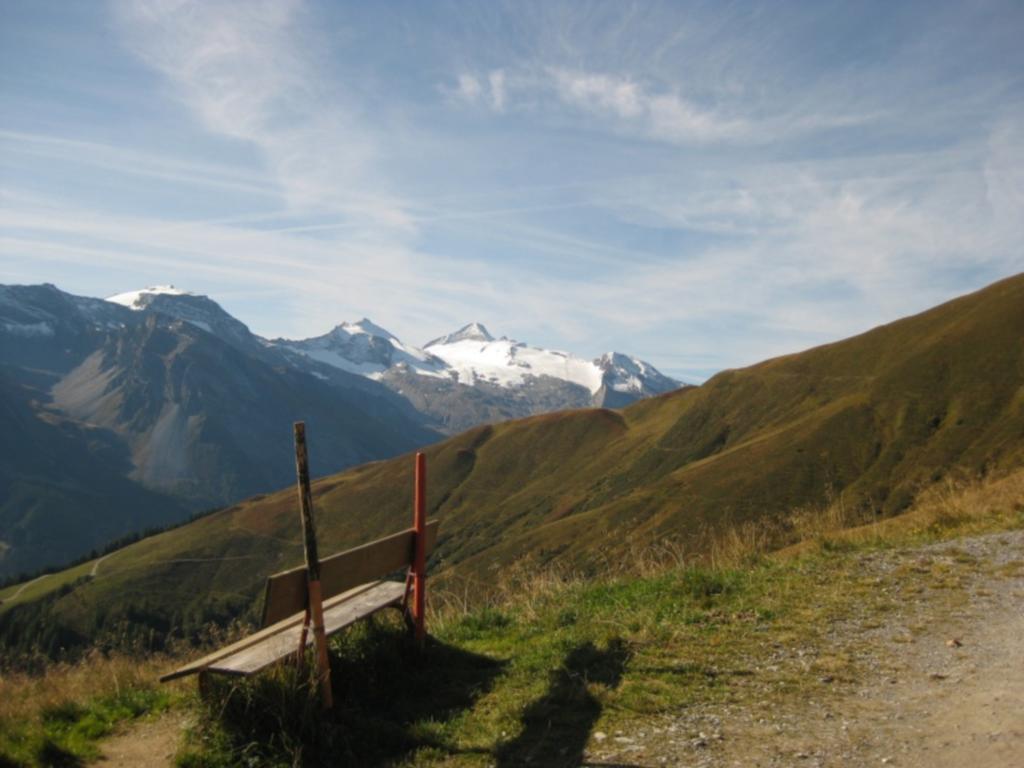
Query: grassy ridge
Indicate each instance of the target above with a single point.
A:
(871, 421)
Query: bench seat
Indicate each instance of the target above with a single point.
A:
(274, 643)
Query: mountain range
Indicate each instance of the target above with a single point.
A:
(868, 423)
(136, 411)
(468, 377)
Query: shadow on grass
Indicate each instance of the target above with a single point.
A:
(389, 698)
(51, 754)
(556, 728)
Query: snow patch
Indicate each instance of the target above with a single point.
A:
(511, 363)
(133, 299)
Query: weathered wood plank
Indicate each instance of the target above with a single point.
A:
(257, 637)
(338, 614)
(314, 592)
(286, 591)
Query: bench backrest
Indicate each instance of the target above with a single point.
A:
(286, 591)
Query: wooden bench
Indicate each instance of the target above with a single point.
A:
(348, 586)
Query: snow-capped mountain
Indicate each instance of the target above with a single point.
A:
(140, 299)
(199, 311)
(363, 348)
(471, 332)
(471, 355)
(469, 376)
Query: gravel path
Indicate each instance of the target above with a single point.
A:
(939, 681)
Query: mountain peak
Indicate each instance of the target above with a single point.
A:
(626, 373)
(196, 309)
(367, 326)
(472, 332)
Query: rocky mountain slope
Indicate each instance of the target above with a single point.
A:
(118, 420)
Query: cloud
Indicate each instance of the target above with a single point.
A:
(468, 88)
(124, 160)
(245, 71)
(664, 116)
(700, 186)
(819, 251)
(799, 254)
(631, 108)
(472, 89)
(496, 79)
(620, 96)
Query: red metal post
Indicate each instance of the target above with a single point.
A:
(419, 560)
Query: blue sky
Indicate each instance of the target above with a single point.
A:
(703, 185)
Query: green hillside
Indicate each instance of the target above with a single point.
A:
(871, 420)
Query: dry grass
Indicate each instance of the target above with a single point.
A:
(531, 587)
(25, 696)
(56, 716)
(53, 713)
(953, 507)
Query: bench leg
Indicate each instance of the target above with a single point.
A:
(406, 616)
(300, 655)
(406, 606)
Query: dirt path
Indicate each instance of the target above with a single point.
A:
(152, 743)
(26, 585)
(96, 566)
(935, 680)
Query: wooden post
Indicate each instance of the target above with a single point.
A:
(419, 565)
(315, 598)
(204, 685)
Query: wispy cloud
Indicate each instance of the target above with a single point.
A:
(126, 161)
(703, 185)
(245, 71)
(625, 105)
(666, 116)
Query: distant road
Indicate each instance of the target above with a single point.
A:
(24, 586)
(27, 584)
(96, 567)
